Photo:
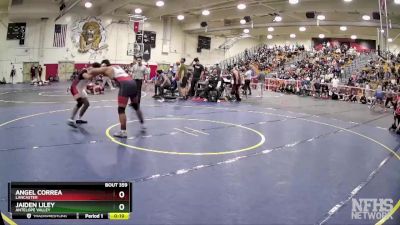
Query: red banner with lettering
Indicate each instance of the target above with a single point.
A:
(136, 26)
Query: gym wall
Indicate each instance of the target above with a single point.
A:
(118, 37)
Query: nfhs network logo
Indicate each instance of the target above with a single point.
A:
(371, 208)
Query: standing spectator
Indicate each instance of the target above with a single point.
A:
(182, 73)
(219, 71)
(368, 93)
(247, 81)
(398, 75)
(389, 98)
(396, 124)
(198, 72)
(33, 72)
(139, 73)
(185, 85)
(236, 83)
(40, 72)
(335, 82)
(171, 70)
(37, 73)
(12, 75)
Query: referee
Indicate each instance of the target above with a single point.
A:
(139, 73)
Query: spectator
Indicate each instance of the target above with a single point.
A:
(236, 83)
(219, 70)
(247, 81)
(198, 72)
(33, 73)
(335, 82)
(180, 76)
(162, 82)
(40, 72)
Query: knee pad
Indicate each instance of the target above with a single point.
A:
(80, 102)
(121, 110)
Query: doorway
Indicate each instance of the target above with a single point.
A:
(27, 71)
(65, 69)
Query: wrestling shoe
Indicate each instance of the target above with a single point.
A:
(72, 123)
(121, 134)
(142, 128)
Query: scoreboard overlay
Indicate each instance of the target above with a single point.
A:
(70, 200)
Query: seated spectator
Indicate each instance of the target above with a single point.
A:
(363, 100)
(162, 82)
(389, 97)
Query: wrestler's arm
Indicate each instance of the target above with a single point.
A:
(106, 71)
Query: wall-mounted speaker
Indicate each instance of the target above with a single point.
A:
(310, 15)
(203, 24)
(62, 6)
(376, 16)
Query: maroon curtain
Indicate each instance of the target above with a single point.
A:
(51, 70)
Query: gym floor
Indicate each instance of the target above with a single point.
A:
(279, 159)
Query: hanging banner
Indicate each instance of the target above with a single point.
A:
(360, 45)
(136, 26)
(147, 37)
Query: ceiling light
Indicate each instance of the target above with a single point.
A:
(138, 11)
(292, 35)
(348, 0)
(320, 17)
(271, 29)
(390, 40)
(293, 2)
(397, 2)
(88, 4)
(302, 29)
(382, 31)
(321, 36)
(242, 21)
(269, 36)
(205, 12)
(160, 3)
(241, 6)
(180, 17)
(246, 31)
(278, 18)
(343, 28)
(353, 37)
(366, 17)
